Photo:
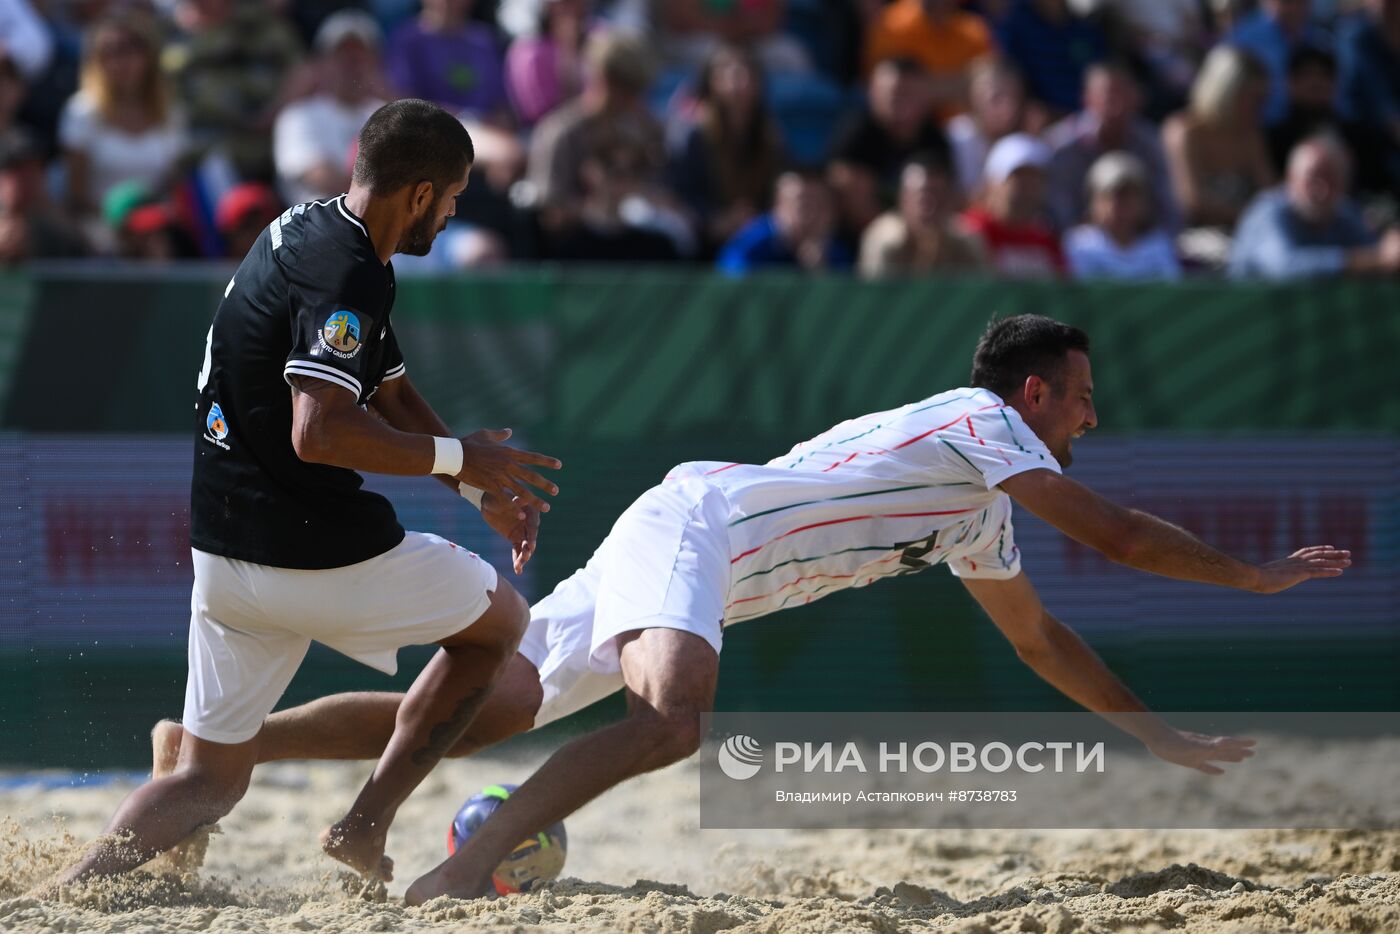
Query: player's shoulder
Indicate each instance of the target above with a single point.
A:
(323, 245)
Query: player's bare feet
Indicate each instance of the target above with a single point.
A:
(443, 881)
(359, 847)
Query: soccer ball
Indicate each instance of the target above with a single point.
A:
(535, 860)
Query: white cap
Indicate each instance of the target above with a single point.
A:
(345, 24)
(1015, 152)
(1114, 170)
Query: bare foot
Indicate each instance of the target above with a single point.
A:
(439, 881)
(184, 858)
(359, 848)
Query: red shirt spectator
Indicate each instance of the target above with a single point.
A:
(1012, 219)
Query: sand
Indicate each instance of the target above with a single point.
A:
(639, 862)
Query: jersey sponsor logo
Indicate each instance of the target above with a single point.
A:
(216, 427)
(341, 333)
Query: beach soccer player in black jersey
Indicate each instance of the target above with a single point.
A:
(302, 386)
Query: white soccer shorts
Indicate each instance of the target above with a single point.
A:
(251, 624)
(664, 565)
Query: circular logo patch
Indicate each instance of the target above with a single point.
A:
(342, 331)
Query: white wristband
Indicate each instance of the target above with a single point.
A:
(471, 494)
(447, 456)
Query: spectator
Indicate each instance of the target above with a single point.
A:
(1369, 92)
(443, 57)
(1272, 34)
(800, 232)
(1310, 228)
(228, 69)
(24, 38)
(919, 237)
(1215, 148)
(1312, 85)
(12, 91)
(243, 213)
(1168, 36)
(31, 226)
(1052, 46)
(152, 233)
(119, 126)
(1121, 240)
(689, 31)
(942, 38)
(621, 218)
(896, 123)
(612, 107)
(725, 155)
(544, 67)
(1109, 121)
(998, 107)
(313, 138)
(1011, 219)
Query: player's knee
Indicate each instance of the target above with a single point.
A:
(505, 720)
(516, 609)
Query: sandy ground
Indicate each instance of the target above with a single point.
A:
(639, 862)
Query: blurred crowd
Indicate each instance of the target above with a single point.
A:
(1128, 139)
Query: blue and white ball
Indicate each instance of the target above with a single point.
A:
(534, 861)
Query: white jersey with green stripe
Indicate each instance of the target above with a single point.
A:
(884, 494)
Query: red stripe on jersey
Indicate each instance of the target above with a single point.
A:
(811, 577)
(881, 515)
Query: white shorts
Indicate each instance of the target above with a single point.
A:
(664, 565)
(251, 624)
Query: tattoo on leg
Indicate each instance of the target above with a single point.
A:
(442, 737)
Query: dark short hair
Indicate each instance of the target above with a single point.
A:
(412, 141)
(931, 161)
(905, 66)
(1015, 348)
(1306, 57)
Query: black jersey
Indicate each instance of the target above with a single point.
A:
(311, 299)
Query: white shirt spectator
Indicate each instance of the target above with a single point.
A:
(116, 155)
(311, 132)
(1093, 255)
(969, 148)
(25, 39)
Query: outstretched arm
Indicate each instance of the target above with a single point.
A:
(1057, 654)
(1143, 541)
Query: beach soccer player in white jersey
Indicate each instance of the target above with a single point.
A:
(715, 544)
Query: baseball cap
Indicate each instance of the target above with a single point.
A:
(149, 218)
(1114, 170)
(250, 202)
(346, 24)
(1013, 152)
(122, 199)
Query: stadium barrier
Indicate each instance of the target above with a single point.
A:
(1261, 417)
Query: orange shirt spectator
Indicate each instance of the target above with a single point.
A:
(936, 34)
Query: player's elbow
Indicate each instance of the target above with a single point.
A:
(1122, 541)
(310, 439)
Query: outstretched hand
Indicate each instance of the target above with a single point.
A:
(1198, 750)
(1304, 564)
(503, 471)
(516, 522)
